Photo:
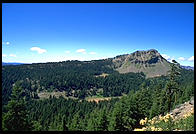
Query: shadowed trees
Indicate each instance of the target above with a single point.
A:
(15, 119)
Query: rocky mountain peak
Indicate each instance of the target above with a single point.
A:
(150, 62)
(147, 57)
(151, 51)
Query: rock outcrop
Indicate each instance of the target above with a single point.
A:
(182, 110)
(149, 62)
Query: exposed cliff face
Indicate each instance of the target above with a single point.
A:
(150, 62)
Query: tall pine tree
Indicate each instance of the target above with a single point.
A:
(15, 119)
(172, 85)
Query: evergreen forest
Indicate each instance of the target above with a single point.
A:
(133, 96)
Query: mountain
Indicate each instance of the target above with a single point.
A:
(63, 95)
(11, 63)
(107, 77)
(188, 67)
(150, 62)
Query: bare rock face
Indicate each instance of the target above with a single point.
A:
(149, 62)
(183, 109)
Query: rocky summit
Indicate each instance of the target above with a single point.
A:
(150, 62)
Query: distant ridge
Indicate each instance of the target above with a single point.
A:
(187, 67)
(150, 62)
(11, 63)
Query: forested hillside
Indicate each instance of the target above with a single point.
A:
(145, 97)
(77, 78)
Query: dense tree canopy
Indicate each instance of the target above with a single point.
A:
(142, 97)
(16, 116)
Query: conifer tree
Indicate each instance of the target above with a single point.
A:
(155, 109)
(172, 85)
(37, 126)
(163, 107)
(102, 120)
(64, 124)
(116, 122)
(75, 124)
(92, 121)
(15, 119)
(98, 120)
(124, 115)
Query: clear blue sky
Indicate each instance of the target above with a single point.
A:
(33, 33)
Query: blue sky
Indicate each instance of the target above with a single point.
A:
(33, 33)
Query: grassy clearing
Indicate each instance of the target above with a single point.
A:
(96, 98)
(99, 98)
(46, 95)
(102, 75)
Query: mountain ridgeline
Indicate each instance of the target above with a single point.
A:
(11, 63)
(108, 77)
